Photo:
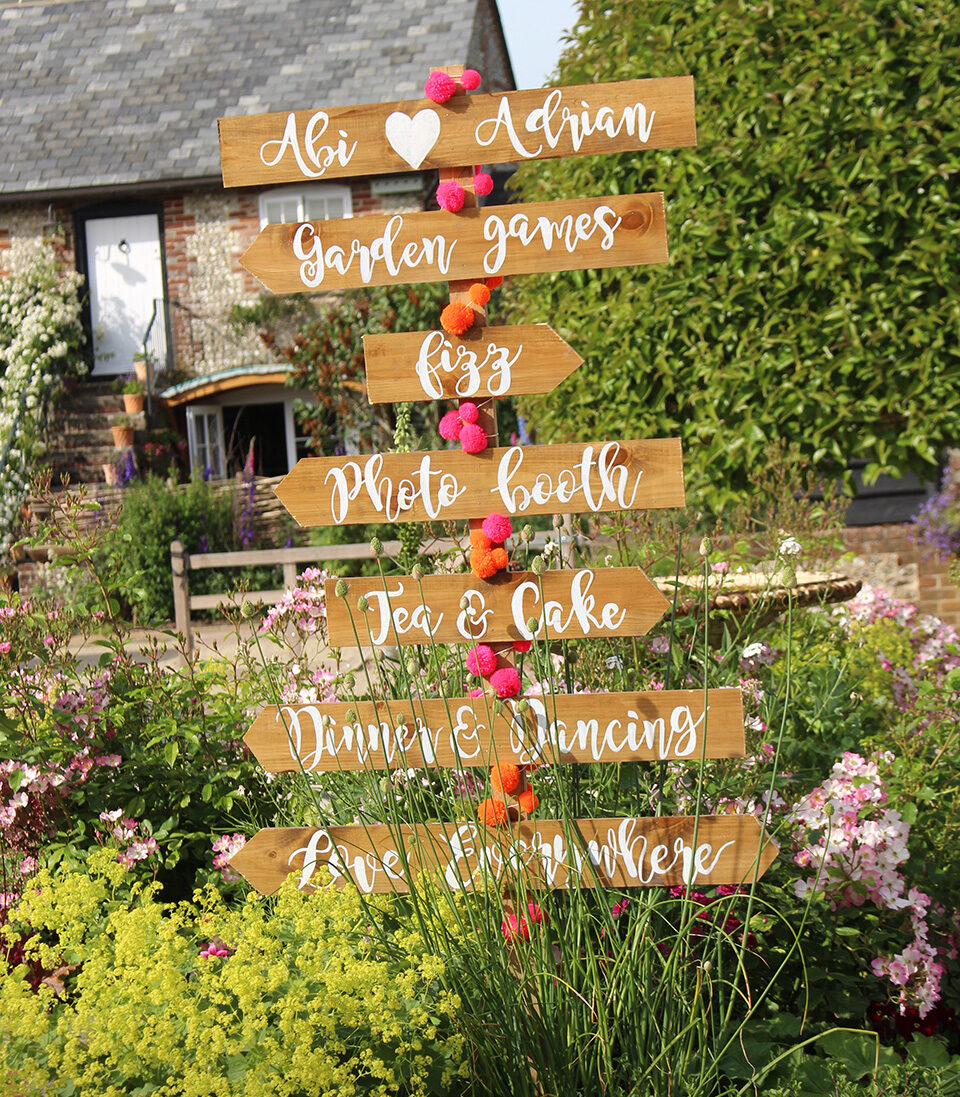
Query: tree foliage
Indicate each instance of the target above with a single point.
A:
(811, 297)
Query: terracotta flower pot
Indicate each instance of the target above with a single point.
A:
(140, 369)
(133, 402)
(110, 473)
(122, 436)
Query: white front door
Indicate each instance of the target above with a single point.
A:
(126, 278)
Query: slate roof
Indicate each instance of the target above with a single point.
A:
(97, 93)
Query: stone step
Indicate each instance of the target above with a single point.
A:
(76, 404)
(92, 420)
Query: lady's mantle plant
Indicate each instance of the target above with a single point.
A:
(40, 336)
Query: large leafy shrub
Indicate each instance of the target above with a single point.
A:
(294, 997)
(809, 296)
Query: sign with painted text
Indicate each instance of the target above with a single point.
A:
(393, 249)
(452, 609)
(618, 853)
(571, 478)
(375, 138)
(483, 362)
(466, 732)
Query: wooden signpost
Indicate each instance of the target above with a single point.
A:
(468, 732)
(294, 146)
(571, 478)
(481, 365)
(451, 609)
(483, 362)
(393, 249)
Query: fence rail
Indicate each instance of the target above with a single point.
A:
(183, 562)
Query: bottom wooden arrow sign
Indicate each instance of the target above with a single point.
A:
(623, 853)
(466, 731)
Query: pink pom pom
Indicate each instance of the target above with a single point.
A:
(473, 439)
(450, 426)
(522, 646)
(506, 682)
(450, 196)
(470, 80)
(497, 527)
(481, 660)
(468, 411)
(439, 87)
(475, 692)
(482, 183)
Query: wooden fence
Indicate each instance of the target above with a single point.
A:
(183, 562)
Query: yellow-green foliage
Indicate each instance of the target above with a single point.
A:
(306, 1005)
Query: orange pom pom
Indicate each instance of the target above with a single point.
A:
(505, 778)
(457, 318)
(482, 565)
(528, 801)
(499, 558)
(494, 281)
(478, 294)
(493, 813)
(479, 540)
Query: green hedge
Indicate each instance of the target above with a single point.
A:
(811, 293)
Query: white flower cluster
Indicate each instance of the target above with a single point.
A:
(40, 336)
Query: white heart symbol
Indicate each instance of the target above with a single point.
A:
(413, 138)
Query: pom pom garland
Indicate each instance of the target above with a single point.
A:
(506, 682)
(479, 294)
(478, 692)
(482, 563)
(470, 80)
(522, 646)
(497, 527)
(450, 426)
(494, 280)
(439, 87)
(482, 661)
(528, 801)
(493, 813)
(468, 411)
(479, 540)
(457, 318)
(482, 183)
(505, 778)
(451, 196)
(499, 558)
(473, 439)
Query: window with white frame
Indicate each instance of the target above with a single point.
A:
(205, 440)
(308, 202)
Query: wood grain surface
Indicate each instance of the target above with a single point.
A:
(622, 853)
(567, 478)
(393, 249)
(450, 609)
(483, 362)
(337, 142)
(467, 732)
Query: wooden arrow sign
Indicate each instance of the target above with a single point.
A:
(465, 732)
(567, 604)
(569, 478)
(391, 249)
(290, 147)
(621, 853)
(498, 361)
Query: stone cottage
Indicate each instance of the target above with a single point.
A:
(109, 124)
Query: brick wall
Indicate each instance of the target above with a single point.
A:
(205, 231)
(886, 556)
